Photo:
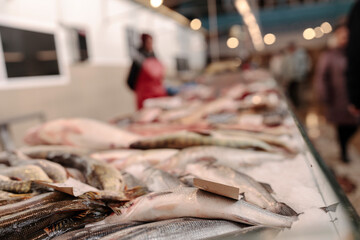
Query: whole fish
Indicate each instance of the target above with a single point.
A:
(268, 138)
(80, 132)
(235, 158)
(33, 202)
(193, 202)
(253, 191)
(68, 224)
(95, 232)
(157, 180)
(98, 174)
(54, 170)
(189, 139)
(31, 220)
(179, 228)
(26, 172)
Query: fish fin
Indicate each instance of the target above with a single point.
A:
(136, 192)
(267, 187)
(285, 210)
(330, 208)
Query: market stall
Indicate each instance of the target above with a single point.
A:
(225, 159)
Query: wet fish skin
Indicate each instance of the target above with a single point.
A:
(71, 223)
(193, 202)
(184, 140)
(253, 191)
(180, 228)
(33, 202)
(16, 186)
(95, 232)
(7, 198)
(41, 216)
(26, 172)
(54, 170)
(157, 180)
(97, 173)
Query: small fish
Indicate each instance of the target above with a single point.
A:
(188, 139)
(157, 180)
(253, 191)
(180, 228)
(25, 172)
(193, 202)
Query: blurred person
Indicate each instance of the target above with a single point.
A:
(295, 68)
(330, 84)
(146, 73)
(276, 64)
(353, 58)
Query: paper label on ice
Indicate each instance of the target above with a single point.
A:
(71, 186)
(217, 188)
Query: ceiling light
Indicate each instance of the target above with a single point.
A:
(195, 24)
(318, 32)
(326, 27)
(309, 34)
(232, 42)
(269, 39)
(156, 3)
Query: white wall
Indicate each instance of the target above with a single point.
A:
(105, 22)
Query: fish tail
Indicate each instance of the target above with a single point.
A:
(136, 192)
(283, 209)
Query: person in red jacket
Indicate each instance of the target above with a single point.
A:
(147, 73)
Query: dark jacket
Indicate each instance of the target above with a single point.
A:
(330, 84)
(353, 56)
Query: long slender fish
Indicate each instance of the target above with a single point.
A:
(95, 232)
(33, 202)
(189, 139)
(180, 228)
(68, 224)
(253, 191)
(235, 158)
(193, 202)
(41, 216)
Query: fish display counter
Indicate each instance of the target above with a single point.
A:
(225, 159)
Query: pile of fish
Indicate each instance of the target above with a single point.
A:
(86, 179)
